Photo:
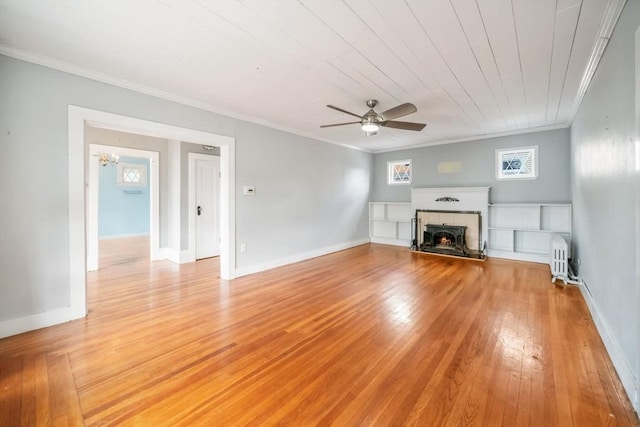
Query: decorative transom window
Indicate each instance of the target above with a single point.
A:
(132, 174)
(517, 163)
(399, 172)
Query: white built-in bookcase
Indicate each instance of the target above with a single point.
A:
(523, 231)
(390, 223)
(519, 231)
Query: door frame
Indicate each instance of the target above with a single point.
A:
(192, 200)
(93, 237)
(636, 394)
(77, 162)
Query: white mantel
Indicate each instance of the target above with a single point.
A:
(475, 199)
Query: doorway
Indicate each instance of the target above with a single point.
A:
(78, 118)
(204, 205)
(93, 234)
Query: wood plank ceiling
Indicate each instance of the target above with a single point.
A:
(472, 68)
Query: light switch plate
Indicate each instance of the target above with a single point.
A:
(249, 190)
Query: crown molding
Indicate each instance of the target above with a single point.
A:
(58, 65)
(476, 138)
(607, 26)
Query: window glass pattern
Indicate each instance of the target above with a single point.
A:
(518, 163)
(399, 172)
(132, 174)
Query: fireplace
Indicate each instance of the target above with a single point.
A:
(460, 210)
(457, 233)
(445, 239)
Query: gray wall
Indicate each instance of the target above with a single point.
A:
(323, 186)
(302, 187)
(477, 160)
(605, 193)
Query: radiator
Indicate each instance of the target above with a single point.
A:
(559, 257)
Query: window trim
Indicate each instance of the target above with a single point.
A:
(501, 152)
(391, 164)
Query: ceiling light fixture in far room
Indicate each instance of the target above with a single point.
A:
(106, 159)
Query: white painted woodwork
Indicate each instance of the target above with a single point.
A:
(173, 199)
(470, 199)
(523, 231)
(207, 201)
(78, 117)
(472, 68)
(390, 223)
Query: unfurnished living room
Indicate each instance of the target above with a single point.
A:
(320, 212)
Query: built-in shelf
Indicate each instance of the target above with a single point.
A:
(390, 223)
(523, 231)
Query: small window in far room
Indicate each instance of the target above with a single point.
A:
(132, 175)
(517, 163)
(399, 172)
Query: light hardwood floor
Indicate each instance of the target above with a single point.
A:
(373, 335)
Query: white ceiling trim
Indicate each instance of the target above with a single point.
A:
(476, 138)
(609, 21)
(146, 90)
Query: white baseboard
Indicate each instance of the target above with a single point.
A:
(519, 256)
(252, 269)
(391, 241)
(178, 256)
(171, 254)
(122, 236)
(187, 256)
(620, 363)
(37, 321)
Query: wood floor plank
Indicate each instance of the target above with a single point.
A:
(63, 396)
(11, 391)
(373, 335)
(29, 392)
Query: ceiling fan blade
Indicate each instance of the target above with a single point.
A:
(338, 124)
(399, 111)
(403, 125)
(344, 111)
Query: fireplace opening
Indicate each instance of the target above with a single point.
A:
(443, 238)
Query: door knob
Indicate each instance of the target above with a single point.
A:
(199, 210)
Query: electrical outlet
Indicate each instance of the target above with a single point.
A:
(579, 261)
(243, 247)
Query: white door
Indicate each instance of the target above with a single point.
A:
(207, 189)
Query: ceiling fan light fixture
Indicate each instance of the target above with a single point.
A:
(370, 127)
(371, 121)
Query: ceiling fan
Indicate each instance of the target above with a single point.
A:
(371, 121)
